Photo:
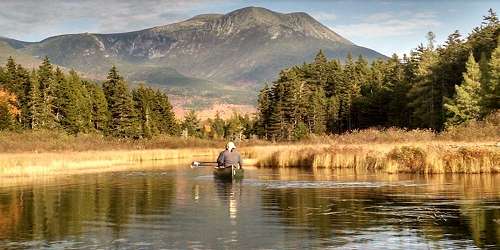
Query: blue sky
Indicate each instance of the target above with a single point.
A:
(388, 26)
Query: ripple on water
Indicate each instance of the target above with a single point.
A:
(273, 184)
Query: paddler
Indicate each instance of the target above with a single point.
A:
(229, 157)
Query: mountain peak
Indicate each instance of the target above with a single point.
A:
(251, 10)
(206, 17)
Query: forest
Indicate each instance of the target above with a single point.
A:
(434, 87)
(50, 99)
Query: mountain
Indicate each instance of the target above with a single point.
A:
(211, 52)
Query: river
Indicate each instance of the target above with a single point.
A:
(175, 207)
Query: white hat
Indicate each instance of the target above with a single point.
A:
(230, 146)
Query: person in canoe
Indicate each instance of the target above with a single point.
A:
(229, 157)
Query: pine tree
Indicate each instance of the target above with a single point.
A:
(347, 91)
(396, 89)
(83, 102)
(277, 118)
(65, 103)
(483, 39)
(45, 77)
(167, 124)
(124, 121)
(10, 77)
(320, 70)
(425, 95)
(35, 103)
(191, 124)
(14, 84)
(217, 127)
(144, 99)
(234, 128)
(316, 116)
(100, 115)
(465, 104)
(24, 80)
(264, 108)
(491, 89)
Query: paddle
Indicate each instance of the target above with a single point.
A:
(201, 164)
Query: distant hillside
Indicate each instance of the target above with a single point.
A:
(208, 53)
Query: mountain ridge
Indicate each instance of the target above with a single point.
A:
(245, 47)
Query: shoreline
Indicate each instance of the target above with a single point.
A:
(432, 157)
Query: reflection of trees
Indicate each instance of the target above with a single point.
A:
(52, 212)
(436, 211)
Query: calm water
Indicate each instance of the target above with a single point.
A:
(173, 207)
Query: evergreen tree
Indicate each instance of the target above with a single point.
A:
(47, 89)
(35, 103)
(144, 100)
(316, 115)
(425, 95)
(100, 115)
(83, 102)
(234, 128)
(191, 125)
(124, 121)
(347, 92)
(66, 104)
(319, 70)
(483, 39)
(491, 89)
(396, 88)
(277, 120)
(264, 108)
(14, 83)
(24, 80)
(465, 105)
(217, 127)
(165, 117)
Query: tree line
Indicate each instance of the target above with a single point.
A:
(47, 98)
(433, 87)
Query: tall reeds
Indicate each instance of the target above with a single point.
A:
(392, 158)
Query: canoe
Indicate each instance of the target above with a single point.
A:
(228, 173)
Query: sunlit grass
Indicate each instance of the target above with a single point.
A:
(472, 148)
(428, 158)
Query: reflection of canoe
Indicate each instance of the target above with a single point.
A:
(228, 173)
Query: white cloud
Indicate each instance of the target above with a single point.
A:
(388, 24)
(51, 17)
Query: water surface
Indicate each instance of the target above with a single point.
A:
(175, 207)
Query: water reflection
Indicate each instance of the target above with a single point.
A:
(229, 192)
(176, 207)
(444, 211)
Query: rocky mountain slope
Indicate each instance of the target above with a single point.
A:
(242, 48)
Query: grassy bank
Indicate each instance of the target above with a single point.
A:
(430, 157)
(19, 164)
(472, 148)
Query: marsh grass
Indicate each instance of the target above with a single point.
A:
(393, 158)
(471, 148)
(19, 164)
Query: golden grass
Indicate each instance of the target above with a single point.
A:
(19, 164)
(429, 158)
(471, 148)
